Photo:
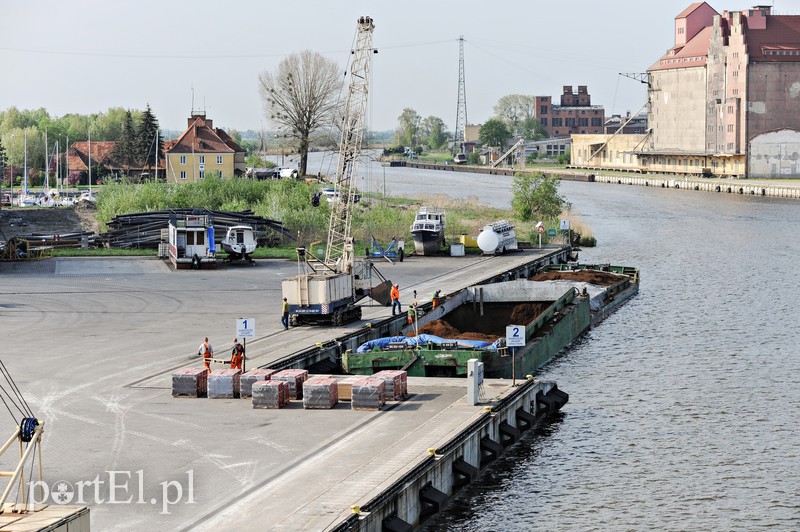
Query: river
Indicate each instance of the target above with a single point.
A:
(682, 404)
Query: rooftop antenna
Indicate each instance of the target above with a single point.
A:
(459, 136)
(192, 113)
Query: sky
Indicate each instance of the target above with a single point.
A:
(84, 56)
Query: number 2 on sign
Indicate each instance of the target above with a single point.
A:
(516, 332)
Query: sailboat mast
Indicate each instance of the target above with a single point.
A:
(25, 175)
(90, 162)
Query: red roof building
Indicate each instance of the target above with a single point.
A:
(202, 149)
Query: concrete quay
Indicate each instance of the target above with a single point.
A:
(723, 186)
(92, 344)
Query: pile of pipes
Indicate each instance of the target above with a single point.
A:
(143, 229)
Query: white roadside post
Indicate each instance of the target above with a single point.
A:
(515, 337)
(245, 328)
(540, 230)
(474, 380)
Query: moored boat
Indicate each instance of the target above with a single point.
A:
(239, 243)
(428, 230)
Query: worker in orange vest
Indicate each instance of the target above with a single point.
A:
(206, 351)
(237, 355)
(395, 295)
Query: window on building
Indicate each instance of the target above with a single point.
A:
(597, 122)
(583, 122)
(730, 109)
(183, 174)
(219, 159)
(543, 110)
(202, 159)
(730, 146)
(183, 159)
(544, 121)
(202, 174)
(730, 128)
(680, 31)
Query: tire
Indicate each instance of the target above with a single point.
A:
(294, 320)
(402, 254)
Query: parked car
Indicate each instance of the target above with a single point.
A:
(5, 200)
(460, 158)
(289, 173)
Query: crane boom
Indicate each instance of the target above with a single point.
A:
(339, 251)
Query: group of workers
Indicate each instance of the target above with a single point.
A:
(207, 352)
(237, 351)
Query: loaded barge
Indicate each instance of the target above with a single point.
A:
(554, 308)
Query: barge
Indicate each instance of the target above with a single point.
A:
(554, 307)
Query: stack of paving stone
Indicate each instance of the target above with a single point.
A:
(346, 387)
(368, 394)
(295, 378)
(251, 377)
(320, 392)
(396, 383)
(190, 382)
(224, 383)
(270, 394)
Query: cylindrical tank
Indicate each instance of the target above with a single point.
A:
(488, 240)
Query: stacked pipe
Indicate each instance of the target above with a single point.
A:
(143, 229)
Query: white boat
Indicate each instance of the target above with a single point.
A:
(428, 230)
(239, 243)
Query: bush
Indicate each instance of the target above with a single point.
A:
(473, 158)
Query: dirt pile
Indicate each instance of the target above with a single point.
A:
(586, 276)
(47, 220)
(443, 329)
(524, 313)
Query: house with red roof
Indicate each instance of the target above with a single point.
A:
(203, 150)
(103, 162)
(724, 98)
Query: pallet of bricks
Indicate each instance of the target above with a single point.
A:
(270, 394)
(190, 382)
(368, 394)
(251, 377)
(320, 392)
(224, 383)
(295, 378)
(396, 383)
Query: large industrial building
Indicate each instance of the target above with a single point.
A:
(724, 99)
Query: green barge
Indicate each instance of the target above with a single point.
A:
(555, 307)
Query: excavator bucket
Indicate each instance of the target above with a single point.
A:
(381, 292)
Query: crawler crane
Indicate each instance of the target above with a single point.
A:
(326, 289)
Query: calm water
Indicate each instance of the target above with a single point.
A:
(684, 404)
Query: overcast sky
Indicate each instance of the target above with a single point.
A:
(84, 56)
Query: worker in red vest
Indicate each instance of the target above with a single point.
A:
(395, 295)
(237, 355)
(206, 351)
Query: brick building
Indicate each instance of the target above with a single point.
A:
(574, 115)
(725, 96)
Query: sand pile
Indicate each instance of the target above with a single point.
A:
(443, 329)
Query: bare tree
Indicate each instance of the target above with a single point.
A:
(301, 96)
(515, 109)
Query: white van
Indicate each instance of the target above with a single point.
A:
(460, 158)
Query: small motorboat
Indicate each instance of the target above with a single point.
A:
(239, 243)
(428, 231)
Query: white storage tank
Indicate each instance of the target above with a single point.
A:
(497, 237)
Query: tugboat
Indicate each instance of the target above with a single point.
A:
(239, 243)
(428, 231)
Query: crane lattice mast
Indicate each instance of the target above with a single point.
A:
(339, 251)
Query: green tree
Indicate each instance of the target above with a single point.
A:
(494, 133)
(125, 150)
(408, 128)
(532, 129)
(149, 144)
(301, 96)
(434, 132)
(514, 109)
(3, 158)
(536, 197)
